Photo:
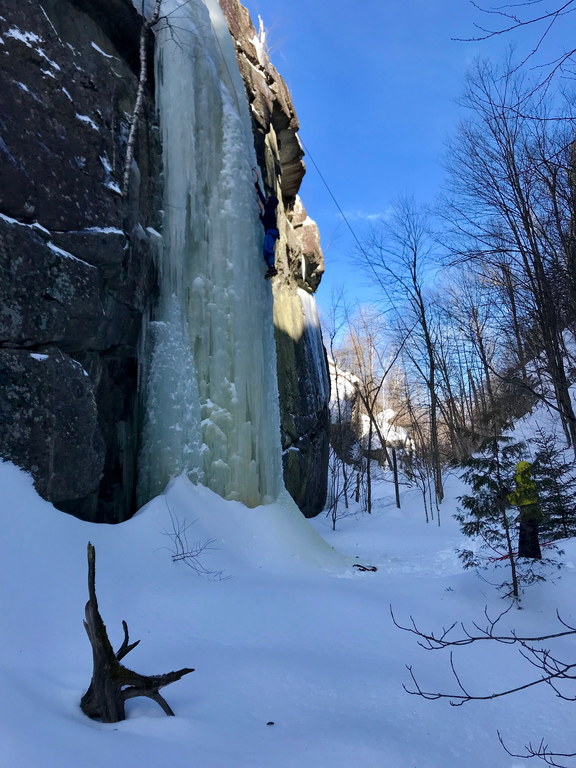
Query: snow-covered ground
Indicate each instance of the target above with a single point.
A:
(298, 663)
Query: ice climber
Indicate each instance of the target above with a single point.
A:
(268, 207)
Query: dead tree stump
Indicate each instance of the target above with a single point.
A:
(112, 683)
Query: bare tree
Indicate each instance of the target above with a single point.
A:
(474, 307)
(543, 20)
(339, 467)
(372, 360)
(420, 468)
(512, 213)
(401, 259)
(553, 671)
(147, 25)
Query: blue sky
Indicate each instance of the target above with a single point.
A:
(374, 86)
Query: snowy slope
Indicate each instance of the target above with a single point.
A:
(292, 635)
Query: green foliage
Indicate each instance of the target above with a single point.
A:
(488, 516)
(486, 512)
(555, 475)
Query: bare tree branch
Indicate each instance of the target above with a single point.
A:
(542, 751)
(552, 669)
(147, 25)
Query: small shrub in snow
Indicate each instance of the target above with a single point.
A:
(490, 519)
(190, 552)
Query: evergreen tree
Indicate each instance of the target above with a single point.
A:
(487, 513)
(555, 475)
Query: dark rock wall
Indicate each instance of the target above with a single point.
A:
(77, 267)
(76, 259)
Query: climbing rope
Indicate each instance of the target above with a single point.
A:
(515, 554)
(257, 181)
(338, 206)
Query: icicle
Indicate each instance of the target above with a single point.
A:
(212, 407)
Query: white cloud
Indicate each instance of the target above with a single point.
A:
(377, 216)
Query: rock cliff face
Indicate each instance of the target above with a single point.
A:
(302, 371)
(77, 258)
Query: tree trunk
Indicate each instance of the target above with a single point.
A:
(369, 471)
(511, 554)
(509, 288)
(395, 470)
(112, 683)
(147, 25)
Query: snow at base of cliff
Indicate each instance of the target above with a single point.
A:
(290, 634)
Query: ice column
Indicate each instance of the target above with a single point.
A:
(212, 400)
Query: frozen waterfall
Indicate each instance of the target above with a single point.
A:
(212, 397)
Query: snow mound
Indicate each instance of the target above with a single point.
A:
(272, 537)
